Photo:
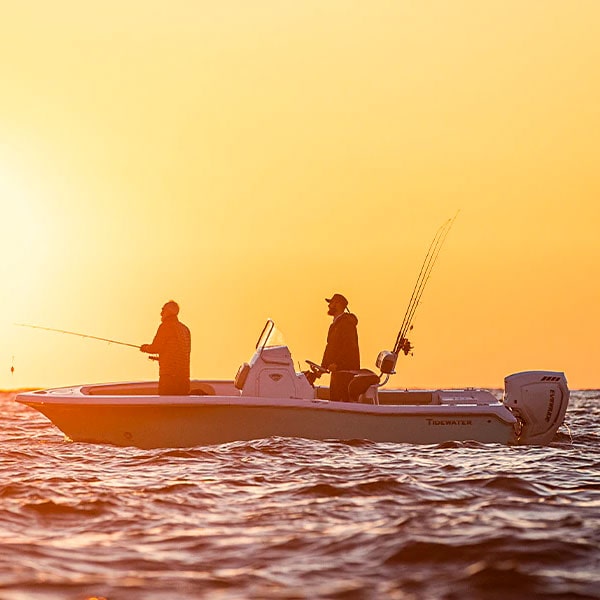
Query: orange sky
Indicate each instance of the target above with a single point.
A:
(250, 158)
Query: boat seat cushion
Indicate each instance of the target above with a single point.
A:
(360, 383)
(241, 376)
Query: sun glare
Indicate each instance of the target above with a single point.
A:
(23, 243)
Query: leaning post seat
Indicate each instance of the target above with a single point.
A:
(363, 387)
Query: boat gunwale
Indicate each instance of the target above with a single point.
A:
(73, 397)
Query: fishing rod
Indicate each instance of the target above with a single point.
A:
(83, 335)
(402, 343)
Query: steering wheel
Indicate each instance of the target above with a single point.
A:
(315, 368)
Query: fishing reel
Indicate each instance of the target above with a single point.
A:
(386, 361)
(405, 346)
(153, 357)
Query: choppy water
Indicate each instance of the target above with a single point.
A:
(295, 519)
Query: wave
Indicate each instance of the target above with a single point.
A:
(291, 518)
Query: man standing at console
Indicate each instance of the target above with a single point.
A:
(172, 343)
(341, 355)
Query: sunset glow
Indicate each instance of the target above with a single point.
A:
(250, 159)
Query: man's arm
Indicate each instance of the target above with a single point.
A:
(158, 343)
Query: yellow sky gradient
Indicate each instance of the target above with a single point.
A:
(250, 158)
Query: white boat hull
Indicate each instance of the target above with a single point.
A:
(149, 421)
(268, 398)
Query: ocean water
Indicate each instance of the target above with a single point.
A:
(295, 519)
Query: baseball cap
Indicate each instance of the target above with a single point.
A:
(338, 298)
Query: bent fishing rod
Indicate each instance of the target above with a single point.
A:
(402, 343)
(83, 335)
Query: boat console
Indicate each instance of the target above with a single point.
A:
(270, 374)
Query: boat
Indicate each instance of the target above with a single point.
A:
(269, 398)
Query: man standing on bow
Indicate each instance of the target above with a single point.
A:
(341, 356)
(172, 343)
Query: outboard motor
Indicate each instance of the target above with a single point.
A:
(539, 400)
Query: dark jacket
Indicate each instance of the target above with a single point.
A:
(342, 344)
(172, 343)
